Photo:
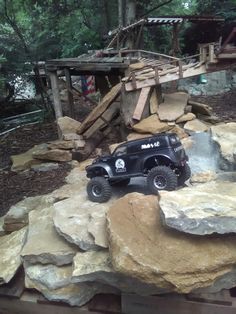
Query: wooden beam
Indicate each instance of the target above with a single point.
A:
(143, 97)
(133, 304)
(56, 97)
(69, 93)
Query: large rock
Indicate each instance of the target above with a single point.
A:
(225, 136)
(179, 131)
(202, 209)
(17, 216)
(68, 125)
(186, 117)
(54, 155)
(82, 222)
(173, 106)
(141, 247)
(195, 126)
(96, 266)
(10, 248)
(59, 144)
(73, 294)
(26, 160)
(44, 245)
(152, 125)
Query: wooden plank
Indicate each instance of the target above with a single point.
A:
(133, 304)
(153, 102)
(168, 78)
(98, 111)
(104, 119)
(143, 97)
(15, 306)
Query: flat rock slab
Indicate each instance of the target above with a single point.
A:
(26, 160)
(173, 106)
(53, 155)
(186, 117)
(44, 245)
(195, 126)
(152, 125)
(203, 209)
(17, 216)
(10, 248)
(225, 136)
(82, 222)
(141, 247)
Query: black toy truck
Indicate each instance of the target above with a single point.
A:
(161, 158)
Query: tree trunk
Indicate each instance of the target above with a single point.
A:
(131, 7)
(121, 13)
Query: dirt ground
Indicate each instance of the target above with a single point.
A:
(15, 186)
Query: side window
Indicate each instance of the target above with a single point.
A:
(120, 151)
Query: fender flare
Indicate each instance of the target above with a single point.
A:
(156, 156)
(100, 165)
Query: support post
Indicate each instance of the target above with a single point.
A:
(69, 93)
(56, 97)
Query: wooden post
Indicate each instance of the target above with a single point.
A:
(69, 93)
(56, 97)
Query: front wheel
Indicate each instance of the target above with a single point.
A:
(184, 174)
(99, 190)
(161, 178)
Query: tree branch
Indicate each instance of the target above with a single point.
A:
(157, 7)
(15, 27)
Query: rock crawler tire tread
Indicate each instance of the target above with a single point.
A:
(102, 184)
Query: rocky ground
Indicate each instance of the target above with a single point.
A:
(15, 186)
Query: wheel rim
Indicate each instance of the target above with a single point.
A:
(96, 190)
(159, 182)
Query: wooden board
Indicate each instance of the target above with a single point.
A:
(98, 111)
(143, 97)
(133, 304)
(15, 306)
(153, 102)
(103, 120)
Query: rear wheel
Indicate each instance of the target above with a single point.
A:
(99, 190)
(184, 174)
(161, 178)
(120, 183)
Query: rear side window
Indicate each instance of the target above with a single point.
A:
(120, 151)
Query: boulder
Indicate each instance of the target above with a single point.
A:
(173, 106)
(82, 222)
(77, 176)
(17, 216)
(199, 108)
(186, 117)
(195, 126)
(225, 136)
(95, 266)
(79, 144)
(44, 245)
(59, 144)
(152, 125)
(54, 155)
(26, 160)
(68, 125)
(203, 209)
(141, 247)
(10, 248)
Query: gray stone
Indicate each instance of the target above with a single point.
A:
(10, 248)
(17, 216)
(225, 136)
(44, 245)
(203, 209)
(72, 137)
(82, 222)
(44, 167)
(60, 144)
(68, 125)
